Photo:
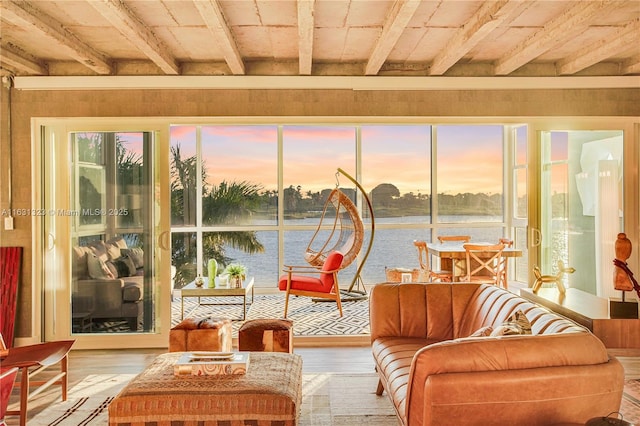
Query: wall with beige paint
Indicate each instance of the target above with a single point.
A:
(263, 102)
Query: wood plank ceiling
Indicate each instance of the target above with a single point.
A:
(320, 37)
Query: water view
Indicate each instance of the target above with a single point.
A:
(392, 247)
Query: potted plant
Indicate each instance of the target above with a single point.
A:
(236, 273)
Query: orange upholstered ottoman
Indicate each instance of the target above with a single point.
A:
(266, 335)
(208, 334)
(269, 394)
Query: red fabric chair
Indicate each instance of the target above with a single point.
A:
(302, 281)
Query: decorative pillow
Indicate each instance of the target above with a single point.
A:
(136, 254)
(516, 324)
(97, 268)
(482, 332)
(99, 248)
(112, 269)
(125, 267)
(113, 251)
(118, 241)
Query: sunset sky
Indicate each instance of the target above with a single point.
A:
(469, 157)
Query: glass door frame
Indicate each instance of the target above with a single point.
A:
(631, 150)
(52, 231)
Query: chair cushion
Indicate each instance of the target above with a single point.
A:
(334, 260)
(301, 282)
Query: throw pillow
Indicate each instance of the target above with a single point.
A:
(482, 332)
(136, 254)
(125, 267)
(97, 268)
(516, 324)
(112, 269)
(113, 251)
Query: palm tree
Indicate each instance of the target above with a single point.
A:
(223, 204)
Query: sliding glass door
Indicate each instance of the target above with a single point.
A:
(105, 237)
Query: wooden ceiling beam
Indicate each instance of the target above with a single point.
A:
(306, 25)
(484, 21)
(395, 24)
(137, 33)
(214, 19)
(21, 64)
(27, 17)
(564, 26)
(631, 66)
(602, 49)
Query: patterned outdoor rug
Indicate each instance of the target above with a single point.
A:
(309, 318)
(323, 402)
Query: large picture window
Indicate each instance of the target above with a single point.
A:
(255, 193)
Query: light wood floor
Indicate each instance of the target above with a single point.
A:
(83, 363)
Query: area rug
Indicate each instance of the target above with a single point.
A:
(630, 407)
(328, 399)
(86, 403)
(309, 318)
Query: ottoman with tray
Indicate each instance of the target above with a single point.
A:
(269, 394)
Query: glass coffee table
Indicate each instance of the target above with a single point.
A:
(191, 290)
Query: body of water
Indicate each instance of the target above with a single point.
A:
(392, 247)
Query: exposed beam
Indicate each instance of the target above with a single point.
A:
(214, 19)
(137, 33)
(305, 35)
(242, 82)
(486, 19)
(624, 37)
(564, 26)
(400, 15)
(20, 63)
(631, 66)
(30, 19)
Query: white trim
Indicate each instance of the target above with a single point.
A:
(322, 82)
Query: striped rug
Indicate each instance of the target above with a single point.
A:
(323, 403)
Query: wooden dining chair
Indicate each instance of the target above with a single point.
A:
(484, 263)
(425, 265)
(504, 279)
(462, 238)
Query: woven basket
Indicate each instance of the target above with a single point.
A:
(394, 275)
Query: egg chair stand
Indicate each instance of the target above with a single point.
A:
(346, 234)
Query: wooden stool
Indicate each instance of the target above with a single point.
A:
(266, 335)
(208, 334)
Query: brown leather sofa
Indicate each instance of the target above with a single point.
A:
(435, 374)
